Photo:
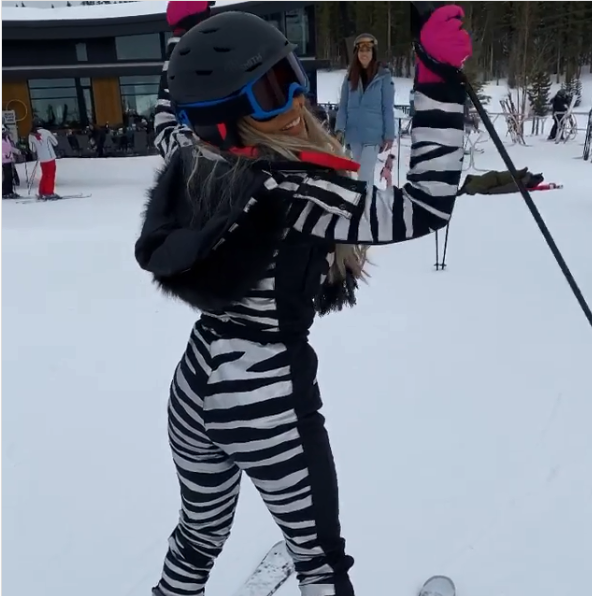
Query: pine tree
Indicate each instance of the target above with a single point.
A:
(539, 92)
(576, 90)
(573, 87)
(471, 70)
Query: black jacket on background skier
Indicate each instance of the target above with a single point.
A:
(560, 106)
(257, 222)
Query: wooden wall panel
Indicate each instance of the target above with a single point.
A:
(15, 96)
(107, 99)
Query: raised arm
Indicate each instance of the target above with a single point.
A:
(343, 211)
(340, 209)
(169, 134)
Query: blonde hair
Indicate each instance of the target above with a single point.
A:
(348, 257)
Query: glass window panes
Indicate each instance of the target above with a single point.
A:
(81, 53)
(48, 93)
(88, 107)
(277, 20)
(297, 30)
(139, 94)
(139, 47)
(52, 83)
(58, 104)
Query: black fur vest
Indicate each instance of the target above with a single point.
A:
(212, 256)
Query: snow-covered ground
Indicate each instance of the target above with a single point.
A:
(458, 403)
(330, 87)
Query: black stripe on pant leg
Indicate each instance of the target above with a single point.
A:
(321, 467)
(292, 468)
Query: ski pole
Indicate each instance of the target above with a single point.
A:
(445, 247)
(399, 139)
(437, 235)
(32, 179)
(441, 265)
(422, 12)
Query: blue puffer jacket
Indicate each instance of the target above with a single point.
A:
(367, 117)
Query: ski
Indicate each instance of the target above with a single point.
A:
(271, 574)
(543, 187)
(439, 585)
(276, 568)
(60, 198)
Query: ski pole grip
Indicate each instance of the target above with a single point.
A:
(420, 13)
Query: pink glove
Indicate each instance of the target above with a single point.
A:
(180, 10)
(445, 40)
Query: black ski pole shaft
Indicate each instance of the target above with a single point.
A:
(419, 15)
(446, 247)
(437, 235)
(529, 202)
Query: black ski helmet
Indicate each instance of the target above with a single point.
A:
(218, 58)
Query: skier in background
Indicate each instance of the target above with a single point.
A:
(42, 143)
(560, 105)
(259, 225)
(366, 117)
(8, 169)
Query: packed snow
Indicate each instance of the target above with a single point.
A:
(98, 11)
(458, 402)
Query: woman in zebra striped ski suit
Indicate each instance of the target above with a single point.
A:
(259, 226)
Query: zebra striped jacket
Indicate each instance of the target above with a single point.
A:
(261, 259)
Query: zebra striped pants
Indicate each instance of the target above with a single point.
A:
(239, 406)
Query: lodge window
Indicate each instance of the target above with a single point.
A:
(277, 20)
(298, 31)
(62, 103)
(81, 52)
(139, 47)
(296, 26)
(139, 95)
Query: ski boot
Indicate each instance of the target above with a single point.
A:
(51, 197)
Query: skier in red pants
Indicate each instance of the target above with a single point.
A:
(42, 143)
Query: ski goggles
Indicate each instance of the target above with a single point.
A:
(365, 42)
(265, 98)
(365, 46)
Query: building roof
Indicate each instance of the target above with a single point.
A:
(100, 11)
(108, 20)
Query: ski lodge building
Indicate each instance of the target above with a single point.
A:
(81, 65)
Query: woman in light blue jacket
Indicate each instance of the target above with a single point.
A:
(366, 119)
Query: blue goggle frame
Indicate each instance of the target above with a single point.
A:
(258, 112)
